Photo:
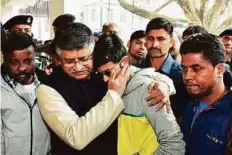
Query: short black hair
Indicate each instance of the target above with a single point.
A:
(160, 23)
(137, 35)
(193, 30)
(17, 41)
(73, 36)
(64, 19)
(108, 48)
(207, 44)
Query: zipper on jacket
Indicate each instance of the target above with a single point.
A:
(31, 131)
(31, 118)
(31, 109)
(200, 115)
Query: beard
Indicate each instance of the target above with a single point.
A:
(24, 78)
(201, 94)
(139, 57)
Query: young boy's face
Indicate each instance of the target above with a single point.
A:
(107, 68)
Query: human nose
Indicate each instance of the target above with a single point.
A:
(78, 66)
(188, 74)
(105, 78)
(23, 31)
(155, 43)
(22, 67)
(143, 47)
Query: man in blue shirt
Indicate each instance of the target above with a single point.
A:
(208, 115)
(159, 33)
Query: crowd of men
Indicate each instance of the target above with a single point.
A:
(164, 93)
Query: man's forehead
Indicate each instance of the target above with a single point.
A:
(21, 26)
(140, 39)
(194, 58)
(77, 52)
(24, 52)
(158, 32)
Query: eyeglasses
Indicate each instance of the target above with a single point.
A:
(73, 62)
(108, 72)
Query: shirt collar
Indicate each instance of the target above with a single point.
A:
(166, 66)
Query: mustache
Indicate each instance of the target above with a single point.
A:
(154, 48)
(76, 72)
(23, 73)
(190, 83)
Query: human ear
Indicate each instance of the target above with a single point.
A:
(220, 69)
(128, 44)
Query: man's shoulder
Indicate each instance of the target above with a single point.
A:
(176, 67)
(139, 78)
(226, 102)
(138, 72)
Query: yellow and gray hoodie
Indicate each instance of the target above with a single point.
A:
(143, 130)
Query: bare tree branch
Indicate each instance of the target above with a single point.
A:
(225, 24)
(213, 19)
(202, 12)
(214, 13)
(224, 8)
(162, 6)
(189, 8)
(146, 14)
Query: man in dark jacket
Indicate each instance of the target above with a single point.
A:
(208, 115)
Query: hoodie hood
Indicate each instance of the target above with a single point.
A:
(139, 77)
